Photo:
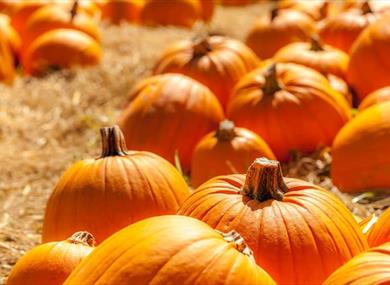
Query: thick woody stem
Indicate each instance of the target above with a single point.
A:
(73, 11)
(201, 46)
(316, 44)
(113, 142)
(366, 8)
(271, 84)
(83, 237)
(225, 131)
(274, 13)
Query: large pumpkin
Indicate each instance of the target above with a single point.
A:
(380, 231)
(361, 153)
(217, 62)
(57, 17)
(376, 97)
(168, 114)
(105, 194)
(117, 11)
(270, 33)
(10, 35)
(170, 250)
(51, 263)
(174, 12)
(7, 69)
(290, 106)
(369, 268)
(60, 48)
(227, 150)
(282, 220)
(369, 66)
(323, 58)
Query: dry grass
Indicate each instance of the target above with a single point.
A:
(48, 123)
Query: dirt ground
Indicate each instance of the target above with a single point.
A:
(46, 124)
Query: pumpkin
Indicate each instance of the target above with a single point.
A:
(208, 7)
(217, 62)
(176, 109)
(360, 153)
(60, 48)
(316, 9)
(340, 86)
(270, 33)
(280, 219)
(175, 12)
(322, 58)
(225, 151)
(342, 30)
(51, 263)
(290, 106)
(105, 194)
(369, 268)
(235, 2)
(380, 231)
(54, 17)
(170, 250)
(117, 11)
(10, 35)
(7, 69)
(376, 97)
(22, 10)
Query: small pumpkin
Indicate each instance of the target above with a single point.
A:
(360, 153)
(376, 97)
(292, 107)
(380, 231)
(175, 12)
(117, 11)
(10, 35)
(323, 58)
(51, 263)
(60, 48)
(170, 250)
(316, 9)
(217, 62)
(370, 268)
(280, 219)
(7, 69)
(227, 150)
(168, 114)
(118, 188)
(281, 27)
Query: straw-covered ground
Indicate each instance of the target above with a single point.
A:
(46, 124)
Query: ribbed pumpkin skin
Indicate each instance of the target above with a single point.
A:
(168, 250)
(310, 230)
(360, 152)
(217, 62)
(380, 232)
(49, 263)
(62, 48)
(328, 60)
(56, 17)
(175, 12)
(368, 268)
(10, 35)
(369, 67)
(169, 113)
(213, 157)
(268, 36)
(305, 114)
(117, 11)
(378, 96)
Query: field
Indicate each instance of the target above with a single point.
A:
(48, 123)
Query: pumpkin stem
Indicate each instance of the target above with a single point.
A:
(82, 237)
(264, 180)
(238, 241)
(324, 9)
(316, 44)
(73, 10)
(113, 142)
(271, 84)
(366, 8)
(201, 46)
(274, 13)
(225, 131)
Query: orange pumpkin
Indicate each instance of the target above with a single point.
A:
(22, 10)
(10, 35)
(316, 9)
(217, 62)
(380, 231)
(370, 268)
(106, 194)
(170, 250)
(207, 7)
(376, 97)
(56, 17)
(360, 152)
(235, 2)
(51, 263)
(227, 150)
(342, 30)
(168, 114)
(280, 28)
(7, 69)
(340, 86)
(322, 58)
(117, 11)
(174, 12)
(280, 219)
(60, 48)
(290, 106)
